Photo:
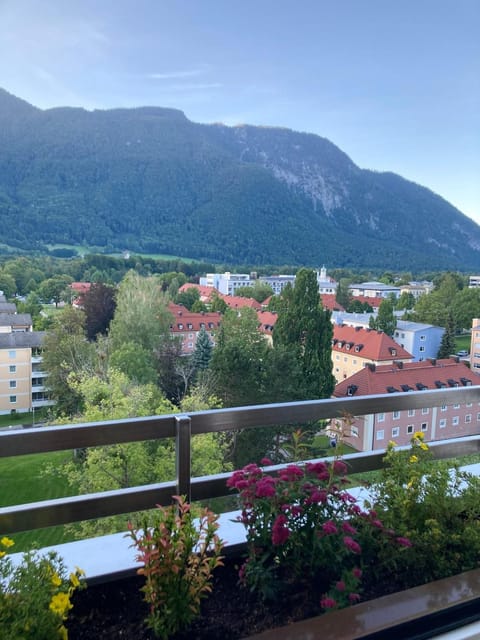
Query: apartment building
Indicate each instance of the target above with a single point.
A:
(370, 432)
(227, 283)
(187, 325)
(373, 290)
(421, 340)
(355, 347)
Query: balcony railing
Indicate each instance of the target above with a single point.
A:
(182, 427)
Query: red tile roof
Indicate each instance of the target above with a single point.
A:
(237, 302)
(409, 376)
(369, 343)
(186, 320)
(81, 287)
(373, 302)
(329, 301)
(267, 320)
(205, 292)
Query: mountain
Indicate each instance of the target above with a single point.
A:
(150, 180)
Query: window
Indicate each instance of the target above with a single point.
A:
(422, 348)
(455, 421)
(468, 418)
(424, 426)
(411, 412)
(456, 406)
(422, 337)
(443, 407)
(381, 417)
(410, 429)
(12, 354)
(13, 384)
(180, 325)
(478, 417)
(337, 357)
(12, 368)
(354, 432)
(380, 434)
(425, 411)
(396, 415)
(13, 399)
(469, 404)
(395, 432)
(442, 423)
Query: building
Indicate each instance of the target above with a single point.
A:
(267, 320)
(353, 348)
(474, 282)
(421, 340)
(475, 346)
(22, 379)
(374, 290)
(326, 284)
(417, 289)
(187, 325)
(278, 283)
(374, 431)
(227, 283)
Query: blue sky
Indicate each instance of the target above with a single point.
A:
(395, 84)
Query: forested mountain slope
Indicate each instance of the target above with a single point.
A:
(150, 180)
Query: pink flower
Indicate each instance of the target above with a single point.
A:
(403, 542)
(339, 468)
(265, 487)
(329, 527)
(291, 473)
(357, 572)
(347, 528)
(354, 597)
(328, 603)
(280, 533)
(352, 545)
(377, 523)
(319, 496)
(317, 468)
(266, 462)
(340, 586)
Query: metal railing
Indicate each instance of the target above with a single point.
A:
(183, 427)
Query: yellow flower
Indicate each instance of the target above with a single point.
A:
(79, 572)
(74, 580)
(62, 633)
(60, 604)
(423, 446)
(3, 553)
(6, 542)
(413, 459)
(392, 443)
(56, 580)
(419, 435)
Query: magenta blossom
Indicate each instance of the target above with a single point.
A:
(265, 487)
(340, 586)
(403, 542)
(328, 603)
(329, 527)
(266, 462)
(339, 468)
(354, 597)
(280, 533)
(291, 473)
(347, 528)
(352, 545)
(357, 572)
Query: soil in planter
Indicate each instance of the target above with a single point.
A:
(116, 611)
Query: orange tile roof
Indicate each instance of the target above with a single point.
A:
(369, 343)
(205, 292)
(186, 320)
(267, 321)
(409, 376)
(237, 302)
(373, 302)
(329, 301)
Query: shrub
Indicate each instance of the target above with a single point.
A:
(179, 554)
(35, 595)
(303, 526)
(435, 505)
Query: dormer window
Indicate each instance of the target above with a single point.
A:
(180, 325)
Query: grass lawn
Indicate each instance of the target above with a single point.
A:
(22, 480)
(462, 342)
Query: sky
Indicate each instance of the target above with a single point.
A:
(394, 83)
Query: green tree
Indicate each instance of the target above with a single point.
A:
(305, 329)
(342, 295)
(7, 284)
(406, 300)
(218, 304)
(99, 308)
(238, 359)
(465, 306)
(54, 288)
(188, 297)
(447, 345)
(203, 350)
(386, 320)
(67, 352)
(135, 362)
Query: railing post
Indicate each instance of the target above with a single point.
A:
(183, 455)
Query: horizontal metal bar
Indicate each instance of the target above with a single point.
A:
(79, 436)
(47, 513)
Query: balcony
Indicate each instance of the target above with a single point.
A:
(109, 557)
